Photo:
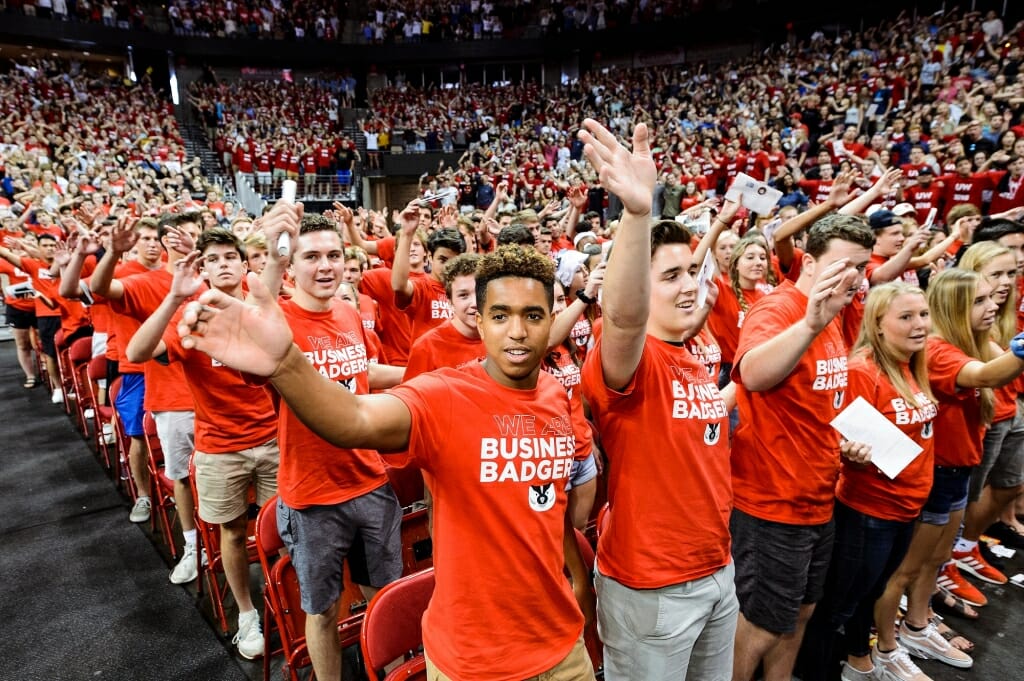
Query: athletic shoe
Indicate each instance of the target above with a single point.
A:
(187, 568)
(896, 665)
(851, 674)
(972, 562)
(928, 644)
(1005, 534)
(57, 397)
(108, 434)
(249, 638)
(88, 413)
(140, 511)
(955, 583)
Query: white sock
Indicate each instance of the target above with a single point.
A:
(190, 537)
(962, 545)
(250, 615)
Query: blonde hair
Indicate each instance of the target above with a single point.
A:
(751, 239)
(871, 344)
(975, 259)
(950, 300)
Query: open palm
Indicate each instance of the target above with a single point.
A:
(630, 175)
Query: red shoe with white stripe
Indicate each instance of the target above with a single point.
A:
(972, 562)
(955, 583)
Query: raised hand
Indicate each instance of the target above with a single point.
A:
(343, 214)
(62, 254)
(447, 217)
(629, 175)
(409, 218)
(188, 276)
(283, 218)
(252, 336)
(830, 294)
(180, 241)
(840, 192)
(595, 281)
(123, 236)
(577, 196)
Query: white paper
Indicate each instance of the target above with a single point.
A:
(1001, 551)
(21, 291)
(891, 449)
(707, 272)
(757, 197)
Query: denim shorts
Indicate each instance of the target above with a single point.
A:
(948, 495)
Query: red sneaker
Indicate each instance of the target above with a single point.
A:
(952, 581)
(972, 562)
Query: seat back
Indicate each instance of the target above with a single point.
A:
(268, 540)
(98, 368)
(392, 627)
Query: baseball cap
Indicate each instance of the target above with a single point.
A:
(904, 209)
(881, 219)
(927, 170)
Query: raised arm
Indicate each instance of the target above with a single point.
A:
(880, 188)
(626, 304)
(122, 238)
(561, 327)
(255, 338)
(400, 270)
(283, 218)
(147, 342)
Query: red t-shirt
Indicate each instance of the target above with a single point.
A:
(443, 346)
(429, 306)
(645, 546)
(118, 325)
(726, 318)
(45, 284)
(166, 387)
(313, 472)
(17, 276)
(959, 425)
(706, 349)
(496, 461)
(395, 334)
(866, 489)
(560, 364)
(386, 250)
(231, 415)
(786, 452)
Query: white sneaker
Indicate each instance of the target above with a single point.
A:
(249, 638)
(89, 413)
(187, 568)
(928, 644)
(57, 397)
(108, 434)
(140, 511)
(896, 666)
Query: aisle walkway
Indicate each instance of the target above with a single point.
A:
(85, 593)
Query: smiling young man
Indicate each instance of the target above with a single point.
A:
(790, 372)
(495, 443)
(663, 558)
(235, 422)
(329, 493)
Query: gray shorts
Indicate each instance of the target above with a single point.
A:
(779, 567)
(366, 531)
(176, 430)
(1002, 463)
(583, 470)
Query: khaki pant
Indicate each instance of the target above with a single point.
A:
(575, 667)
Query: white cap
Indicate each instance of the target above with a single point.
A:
(904, 209)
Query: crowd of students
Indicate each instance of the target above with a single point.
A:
(539, 334)
(120, 13)
(320, 20)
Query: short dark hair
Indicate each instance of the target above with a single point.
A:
(515, 261)
(665, 232)
(315, 222)
(852, 228)
(451, 239)
(47, 235)
(517, 233)
(221, 236)
(994, 229)
(168, 220)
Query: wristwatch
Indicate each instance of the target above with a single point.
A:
(582, 295)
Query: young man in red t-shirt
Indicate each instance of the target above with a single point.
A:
(236, 426)
(790, 373)
(664, 551)
(422, 297)
(476, 434)
(329, 494)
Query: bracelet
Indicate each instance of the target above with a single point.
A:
(582, 295)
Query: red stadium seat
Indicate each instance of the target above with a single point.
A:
(80, 354)
(161, 487)
(123, 443)
(67, 382)
(103, 414)
(392, 628)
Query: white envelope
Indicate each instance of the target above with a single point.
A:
(755, 196)
(891, 449)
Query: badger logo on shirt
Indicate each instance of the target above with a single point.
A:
(349, 383)
(837, 401)
(926, 431)
(542, 497)
(711, 433)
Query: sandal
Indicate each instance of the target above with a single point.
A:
(949, 605)
(950, 634)
(30, 383)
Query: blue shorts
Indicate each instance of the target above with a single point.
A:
(949, 494)
(129, 404)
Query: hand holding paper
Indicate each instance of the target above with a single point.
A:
(891, 450)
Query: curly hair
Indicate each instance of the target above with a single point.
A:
(515, 261)
(315, 222)
(459, 266)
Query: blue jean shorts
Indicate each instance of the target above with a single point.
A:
(948, 495)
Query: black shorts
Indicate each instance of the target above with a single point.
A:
(48, 328)
(20, 319)
(779, 568)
